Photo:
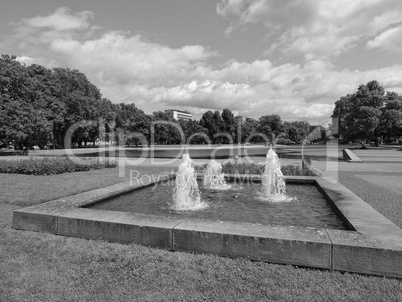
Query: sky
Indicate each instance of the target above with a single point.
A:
(294, 58)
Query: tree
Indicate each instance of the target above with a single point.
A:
(24, 114)
(391, 118)
(271, 126)
(219, 136)
(45, 95)
(391, 124)
(359, 114)
(229, 123)
(249, 131)
(341, 112)
(214, 126)
(207, 123)
(133, 123)
(297, 131)
(194, 133)
(81, 100)
(167, 130)
(292, 133)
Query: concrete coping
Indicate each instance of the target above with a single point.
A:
(372, 245)
(350, 156)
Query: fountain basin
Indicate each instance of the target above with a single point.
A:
(240, 203)
(372, 245)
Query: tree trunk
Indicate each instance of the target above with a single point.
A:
(376, 141)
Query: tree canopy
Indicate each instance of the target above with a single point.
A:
(369, 114)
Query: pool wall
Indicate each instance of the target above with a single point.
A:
(372, 245)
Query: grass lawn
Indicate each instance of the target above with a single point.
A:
(25, 190)
(43, 267)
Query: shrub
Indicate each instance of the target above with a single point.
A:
(233, 167)
(284, 141)
(242, 168)
(48, 166)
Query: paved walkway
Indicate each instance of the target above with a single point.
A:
(378, 180)
(380, 156)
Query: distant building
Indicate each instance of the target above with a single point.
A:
(180, 114)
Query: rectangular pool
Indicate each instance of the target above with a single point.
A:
(308, 207)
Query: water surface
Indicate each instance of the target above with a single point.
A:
(308, 207)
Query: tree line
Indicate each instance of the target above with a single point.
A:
(38, 106)
(369, 114)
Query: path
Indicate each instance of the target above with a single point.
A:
(378, 180)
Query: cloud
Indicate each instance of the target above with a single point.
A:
(118, 58)
(39, 31)
(390, 40)
(131, 68)
(316, 29)
(61, 19)
(230, 7)
(25, 59)
(207, 94)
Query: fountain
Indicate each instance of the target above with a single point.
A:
(214, 178)
(186, 195)
(273, 184)
(305, 233)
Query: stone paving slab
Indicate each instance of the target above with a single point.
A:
(375, 167)
(389, 182)
(379, 156)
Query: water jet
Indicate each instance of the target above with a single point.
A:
(214, 178)
(186, 195)
(272, 180)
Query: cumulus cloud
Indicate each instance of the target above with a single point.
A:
(207, 94)
(131, 68)
(318, 29)
(37, 32)
(25, 60)
(118, 58)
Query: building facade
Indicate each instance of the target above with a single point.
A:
(180, 114)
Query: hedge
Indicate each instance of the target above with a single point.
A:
(48, 166)
(254, 168)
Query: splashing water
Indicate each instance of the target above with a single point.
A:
(186, 195)
(273, 184)
(214, 178)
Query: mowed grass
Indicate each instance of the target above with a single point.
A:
(44, 267)
(25, 190)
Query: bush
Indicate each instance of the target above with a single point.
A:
(48, 166)
(242, 168)
(252, 168)
(284, 141)
(292, 170)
